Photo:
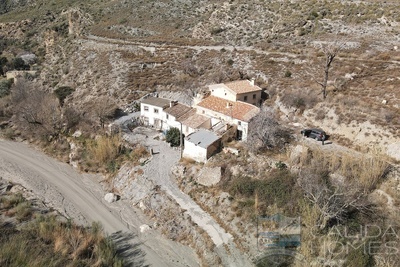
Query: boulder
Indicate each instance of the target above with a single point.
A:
(144, 228)
(393, 150)
(209, 176)
(111, 197)
(77, 134)
(178, 170)
(5, 187)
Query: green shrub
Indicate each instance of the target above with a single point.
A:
(216, 30)
(279, 188)
(288, 74)
(62, 93)
(173, 136)
(19, 64)
(280, 165)
(5, 87)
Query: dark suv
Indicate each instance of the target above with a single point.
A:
(317, 134)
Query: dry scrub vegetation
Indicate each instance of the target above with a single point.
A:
(47, 240)
(331, 192)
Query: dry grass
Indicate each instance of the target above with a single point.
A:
(105, 148)
(46, 241)
(107, 153)
(365, 170)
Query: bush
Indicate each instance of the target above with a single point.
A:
(3, 62)
(105, 150)
(62, 93)
(300, 100)
(216, 30)
(19, 64)
(5, 87)
(279, 188)
(173, 136)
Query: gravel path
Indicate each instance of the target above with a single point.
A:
(159, 171)
(80, 197)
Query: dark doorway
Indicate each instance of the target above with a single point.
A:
(239, 134)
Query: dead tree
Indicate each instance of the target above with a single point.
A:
(266, 133)
(37, 112)
(333, 200)
(330, 51)
(103, 108)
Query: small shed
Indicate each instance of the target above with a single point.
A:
(201, 145)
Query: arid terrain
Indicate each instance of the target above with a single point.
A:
(68, 69)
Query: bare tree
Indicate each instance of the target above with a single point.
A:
(334, 200)
(37, 112)
(104, 108)
(330, 51)
(266, 133)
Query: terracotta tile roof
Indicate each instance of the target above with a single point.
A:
(193, 120)
(243, 86)
(155, 101)
(238, 110)
(177, 110)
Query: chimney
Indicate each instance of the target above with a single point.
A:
(252, 81)
(228, 105)
(172, 103)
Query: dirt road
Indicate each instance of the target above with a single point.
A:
(159, 171)
(80, 197)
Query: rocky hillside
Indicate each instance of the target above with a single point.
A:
(125, 49)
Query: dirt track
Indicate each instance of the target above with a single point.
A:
(158, 170)
(80, 197)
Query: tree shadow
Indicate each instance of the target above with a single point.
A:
(129, 249)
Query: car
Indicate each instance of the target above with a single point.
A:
(317, 134)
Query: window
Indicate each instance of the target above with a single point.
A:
(156, 110)
(203, 112)
(146, 108)
(239, 123)
(245, 98)
(254, 96)
(167, 116)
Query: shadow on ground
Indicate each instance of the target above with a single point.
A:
(129, 249)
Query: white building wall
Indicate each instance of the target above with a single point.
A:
(249, 98)
(244, 126)
(187, 130)
(153, 116)
(192, 151)
(170, 122)
(216, 117)
(222, 91)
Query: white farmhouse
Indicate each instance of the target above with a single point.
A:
(192, 121)
(233, 112)
(201, 145)
(173, 113)
(164, 114)
(152, 111)
(244, 90)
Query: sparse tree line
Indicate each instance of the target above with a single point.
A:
(44, 114)
(30, 112)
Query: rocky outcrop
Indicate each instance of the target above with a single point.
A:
(111, 197)
(209, 176)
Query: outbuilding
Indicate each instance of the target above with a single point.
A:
(201, 145)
